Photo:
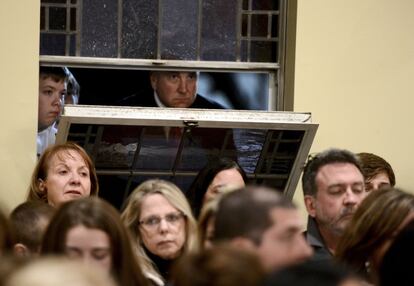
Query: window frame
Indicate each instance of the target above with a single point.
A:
(281, 74)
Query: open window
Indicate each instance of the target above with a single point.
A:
(111, 46)
(131, 144)
(234, 36)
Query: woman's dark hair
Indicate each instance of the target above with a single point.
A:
(396, 267)
(95, 213)
(204, 178)
(310, 273)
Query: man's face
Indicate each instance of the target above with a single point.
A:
(340, 190)
(283, 243)
(175, 89)
(51, 94)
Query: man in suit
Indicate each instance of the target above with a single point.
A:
(176, 89)
(172, 89)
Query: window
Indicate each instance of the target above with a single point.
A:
(129, 145)
(234, 36)
(241, 50)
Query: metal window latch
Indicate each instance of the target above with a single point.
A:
(189, 125)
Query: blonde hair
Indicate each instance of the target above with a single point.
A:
(209, 211)
(49, 271)
(131, 214)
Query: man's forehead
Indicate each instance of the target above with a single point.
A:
(337, 173)
(286, 217)
(334, 170)
(166, 73)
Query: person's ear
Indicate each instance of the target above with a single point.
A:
(41, 185)
(21, 250)
(154, 80)
(310, 203)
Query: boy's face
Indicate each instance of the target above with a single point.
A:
(51, 94)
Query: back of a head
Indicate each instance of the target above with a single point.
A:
(310, 273)
(29, 221)
(315, 162)
(58, 271)
(6, 234)
(9, 264)
(370, 228)
(219, 266)
(246, 213)
(373, 165)
(396, 267)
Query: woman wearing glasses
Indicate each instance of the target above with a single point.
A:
(160, 220)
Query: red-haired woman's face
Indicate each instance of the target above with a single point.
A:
(68, 178)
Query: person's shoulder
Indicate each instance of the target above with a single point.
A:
(144, 98)
(203, 102)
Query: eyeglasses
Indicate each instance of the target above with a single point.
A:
(154, 221)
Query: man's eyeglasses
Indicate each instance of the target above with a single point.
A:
(154, 221)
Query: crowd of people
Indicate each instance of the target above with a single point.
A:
(223, 231)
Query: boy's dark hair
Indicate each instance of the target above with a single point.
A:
(246, 213)
(373, 164)
(27, 222)
(314, 163)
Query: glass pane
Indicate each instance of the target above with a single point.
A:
(139, 29)
(99, 28)
(244, 25)
(73, 19)
(271, 147)
(259, 26)
(179, 29)
(265, 5)
(125, 156)
(52, 44)
(42, 18)
(263, 52)
(218, 36)
(57, 18)
(72, 45)
(245, 4)
(275, 26)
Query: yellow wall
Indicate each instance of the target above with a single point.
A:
(355, 73)
(19, 49)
